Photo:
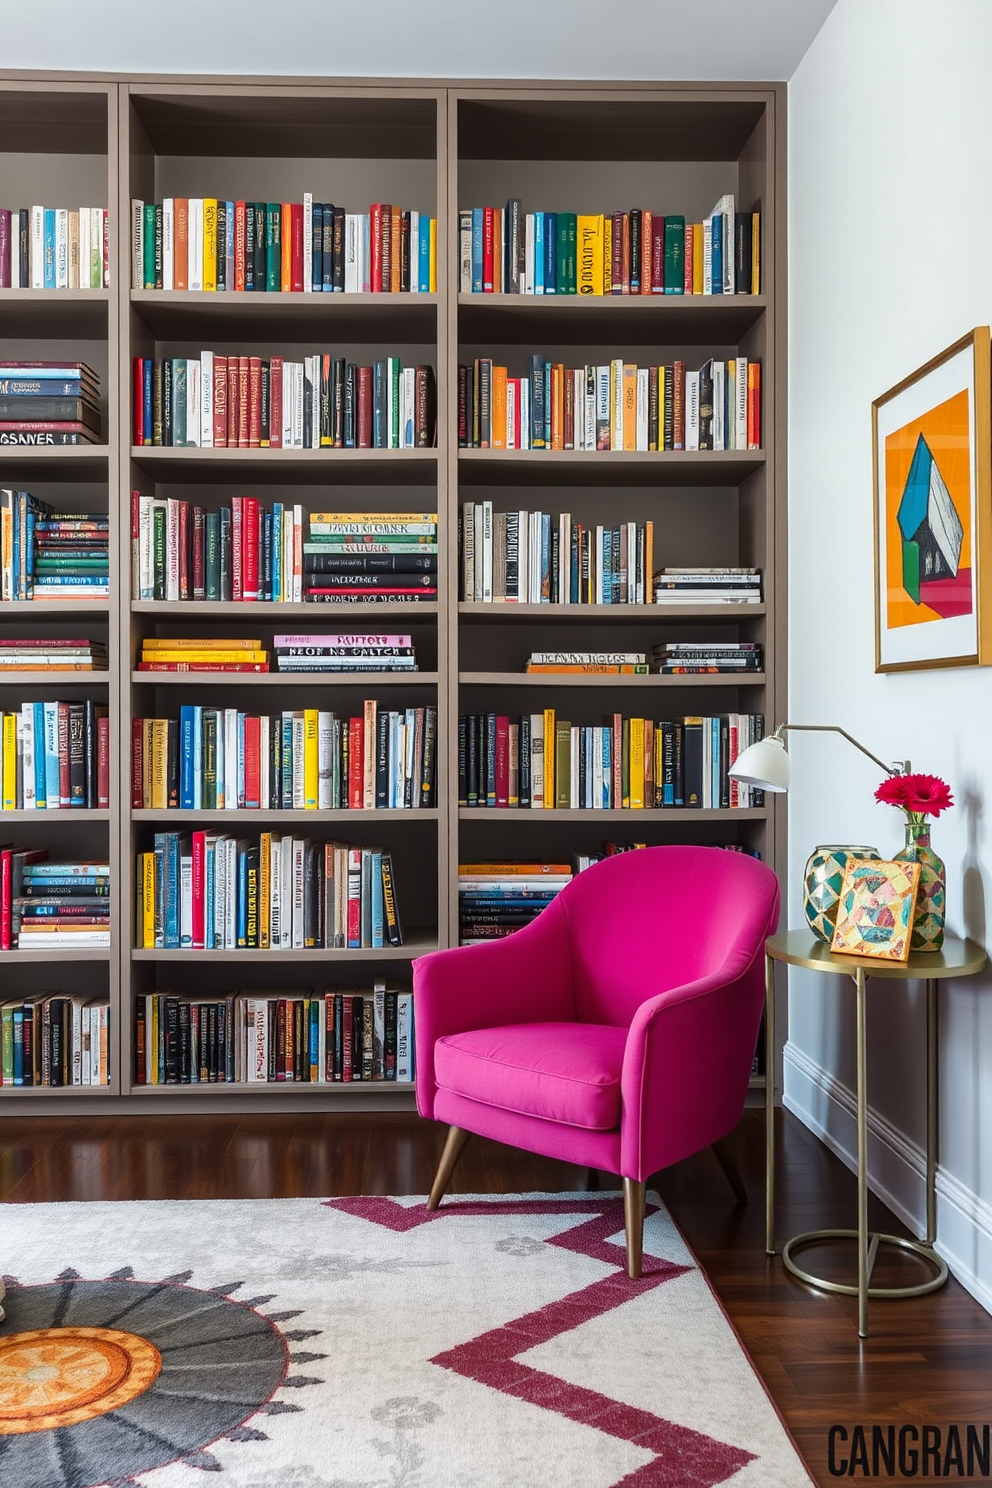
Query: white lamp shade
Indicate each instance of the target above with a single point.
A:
(765, 764)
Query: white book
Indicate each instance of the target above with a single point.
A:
(137, 243)
(523, 556)
(195, 221)
(740, 403)
(465, 252)
(36, 263)
(524, 413)
(172, 548)
(692, 410)
(24, 788)
(73, 234)
(168, 242)
(230, 776)
(297, 554)
(603, 412)
(352, 247)
(408, 384)
(725, 209)
(100, 263)
(324, 761)
(288, 389)
(616, 404)
(61, 248)
(487, 550)
(537, 761)
(528, 285)
(597, 770)
(275, 892)
(206, 399)
(415, 252)
(298, 404)
(641, 435)
(185, 902)
(364, 257)
(231, 901)
(707, 256)
(194, 403)
(719, 404)
(574, 773)
(378, 1027)
(299, 801)
(84, 248)
(404, 1037)
(86, 1034)
(512, 431)
(297, 865)
(564, 555)
(534, 558)
(308, 242)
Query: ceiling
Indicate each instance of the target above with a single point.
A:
(634, 39)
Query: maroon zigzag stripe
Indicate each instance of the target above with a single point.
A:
(683, 1458)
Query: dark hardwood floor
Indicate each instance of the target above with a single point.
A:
(928, 1360)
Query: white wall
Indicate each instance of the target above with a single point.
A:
(889, 231)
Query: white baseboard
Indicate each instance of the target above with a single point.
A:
(896, 1171)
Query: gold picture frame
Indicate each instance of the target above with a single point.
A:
(876, 909)
(932, 459)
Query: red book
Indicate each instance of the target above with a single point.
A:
(5, 856)
(244, 401)
(354, 933)
(199, 553)
(254, 402)
(137, 761)
(363, 430)
(297, 247)
(240, 228)
(754, 405)
(65, 790)
(281, 1038)
(220, 402)
(253, 763)
(199, 886)
(356, 758)
(103, 762)
(502, 760)
(138, 401)
(232, 402)
(237, 547)
(487, 250)
(658, 255)
(184, 550)
(275, 403)
(375, 247)
(249, 547)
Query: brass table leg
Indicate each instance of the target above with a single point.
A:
(769, 1106)
(932, 1133)
(863, 1259)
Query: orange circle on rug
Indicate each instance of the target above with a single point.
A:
(53, 1377)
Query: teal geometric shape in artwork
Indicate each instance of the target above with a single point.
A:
(916, 491)
(911, 570)
(932, 531)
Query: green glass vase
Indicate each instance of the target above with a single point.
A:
(928, 922)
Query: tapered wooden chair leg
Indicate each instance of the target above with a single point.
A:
(453, 1149)
(633, 1219)
(725, 1157)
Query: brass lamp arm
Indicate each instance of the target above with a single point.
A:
(901, 767)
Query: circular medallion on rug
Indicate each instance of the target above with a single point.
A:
(101, 1381)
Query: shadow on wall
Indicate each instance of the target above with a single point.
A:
(972, 888)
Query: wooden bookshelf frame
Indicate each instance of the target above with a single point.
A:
(452, 126)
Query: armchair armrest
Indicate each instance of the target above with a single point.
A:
(524, 978)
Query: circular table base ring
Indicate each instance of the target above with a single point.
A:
(916, 1247)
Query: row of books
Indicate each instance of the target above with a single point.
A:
(52, 906)
(55, 756)
(46, 554)
(628, 663)
(292, 1037)
(54, 1039)
(212, 891)
(615, 405)
(675, 658)
(337, 653)
(54, 248)
(707, 586)
(206, 243)
(540, 761)
(253, 402)
(377, 556)
(60, 400)
(541, 558)
(504, 250)
(223, 759)
(202, 654)
(494, 899)
(52, 654)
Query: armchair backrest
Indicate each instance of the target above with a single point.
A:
(644, 921)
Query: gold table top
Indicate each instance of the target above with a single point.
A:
(958, 958)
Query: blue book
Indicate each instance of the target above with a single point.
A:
(29, 524)
(378, 912)
(240, 777)
(40, 774)
(380, 433)
(287, 763)
(547, 405)
(265, 567)
(277, 548)
(187, 800)
(477, 225)
(170, 925)
(550, 252)
(160, 854)
(424, 256)
(607, 745)
(317, 247)
(147, 419)
(537, 399)
(52, 792)
(327, 252)
(242, 905)
(315, 1011)
(716, 253)
(18, 1046)
(539, 253)
(49, 282)
(209, 895)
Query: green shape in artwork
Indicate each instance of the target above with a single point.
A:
(911, 569)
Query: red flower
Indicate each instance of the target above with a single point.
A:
(921, 795)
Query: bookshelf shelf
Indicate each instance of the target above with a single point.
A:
(54, 609)
(674, 815)
(40, 1092)
(406, 952)
(605, 319)
(557, 680)
(364, 680)
(312, 818)
(57, 957)
(289, 316)
(77, 313)
(336, 615)
(66, 814)
(333, 1089)
(40, 677)
(608, 467)
(574, 614)
(325, 467)
(68, 462)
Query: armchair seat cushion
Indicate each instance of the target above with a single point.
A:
(564, 1072)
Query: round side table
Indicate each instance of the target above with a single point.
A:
(958, 958)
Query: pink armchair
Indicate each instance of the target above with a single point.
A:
(616, 1031)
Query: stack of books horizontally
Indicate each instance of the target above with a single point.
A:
(222, 759)
(614, 662)
(54, 248)
(202, 654)
(707, 586)
(540, 558)
(53, 654)
(52, 906)
(55, 1039)
(207, 243)
(377, 558)
(210, 891)
(244, 552)
(344, 653)
(677, 657)
(252, 402)
(55, 756)
(290, 1036)
(70, 558)
(49, 403)
(494, 899)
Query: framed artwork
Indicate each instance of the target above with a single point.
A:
(875, 910)
(932, 446)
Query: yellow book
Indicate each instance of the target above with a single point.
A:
(648, 764)
(607, 255)
(369, 738)
(755, 252)
(146, 762)
(264, 888)
(432, 271)
(244, 657)
(636, 763)
(310, 759)
(549, 758)
(209, 242)
(199, 643)
(629, 406)
(159, 796)
(10, 762)
(151, 1039)
(589, 255)
(659, 768)
(697, 258)
(499, 408)
(148, 902)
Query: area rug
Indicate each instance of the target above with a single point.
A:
(362, 1343)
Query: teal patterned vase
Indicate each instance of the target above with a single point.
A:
(821, 884)
(928, 924)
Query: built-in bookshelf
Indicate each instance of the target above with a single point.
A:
(439, 150)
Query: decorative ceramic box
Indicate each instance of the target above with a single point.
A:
(822, 881)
